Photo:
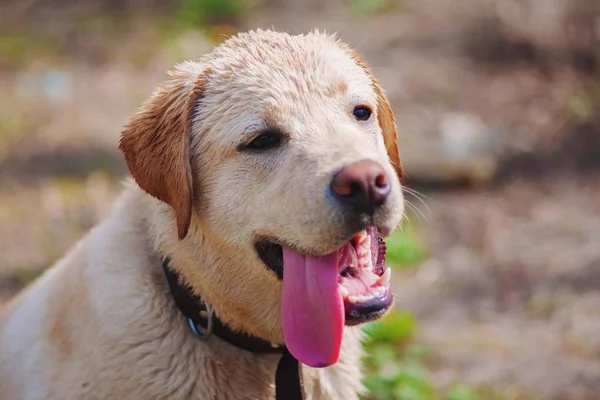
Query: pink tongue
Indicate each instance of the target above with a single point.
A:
(312, 309)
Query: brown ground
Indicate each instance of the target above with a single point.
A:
(509, 295)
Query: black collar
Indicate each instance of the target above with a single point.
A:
(204, 323)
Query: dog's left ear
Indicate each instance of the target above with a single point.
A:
(385, 117)
(156, 143)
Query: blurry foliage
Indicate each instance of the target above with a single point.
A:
(395, 367)
(404, 246)
(200, 13)
(17, 48)
(461, 392)
(395, 328)
(581, 106)
(364, 8)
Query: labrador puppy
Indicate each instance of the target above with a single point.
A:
(267, 172)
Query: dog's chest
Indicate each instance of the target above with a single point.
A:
(198, 370)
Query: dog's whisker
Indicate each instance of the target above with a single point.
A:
(419, 196)
(416, 211)
(414, 191)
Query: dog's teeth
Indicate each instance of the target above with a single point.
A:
(344, 292)
(353, 299)
(378, 291)
(363, 247)
(362, 261)
(384, 280)
(362, 236)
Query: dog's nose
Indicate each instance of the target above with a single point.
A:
(364, 185)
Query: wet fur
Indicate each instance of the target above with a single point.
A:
(101, 324)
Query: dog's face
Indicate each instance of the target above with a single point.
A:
(282, 148)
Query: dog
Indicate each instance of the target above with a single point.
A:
(265, 174)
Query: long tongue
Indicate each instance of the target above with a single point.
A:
(312, 309)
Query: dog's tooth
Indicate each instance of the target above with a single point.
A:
(361, 251)
(344, 292)
(364, 250)
(365, 242)
(361, 261)
(368, 263)
(353, 299)
(378, 291)
(384, 280)
(363, 245)
(362, 236)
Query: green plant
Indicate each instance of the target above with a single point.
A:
(404, 247)
(396, 327)
(199, 13)
(581, 106)
(18, 48)
(395, 368)
(371, 7)
(461, 392)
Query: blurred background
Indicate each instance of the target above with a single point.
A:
(497, 268)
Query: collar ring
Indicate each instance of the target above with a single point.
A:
(200, 331)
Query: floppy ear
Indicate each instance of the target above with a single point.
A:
(385, 117)
(156, 144)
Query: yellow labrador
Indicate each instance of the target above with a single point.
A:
(266, 173)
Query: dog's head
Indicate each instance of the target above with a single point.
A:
(281, 153)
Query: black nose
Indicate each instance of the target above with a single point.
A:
(363, 185)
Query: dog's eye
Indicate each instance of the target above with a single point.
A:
(362, 113)
(266, 140)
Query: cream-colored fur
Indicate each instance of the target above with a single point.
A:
(101, 324)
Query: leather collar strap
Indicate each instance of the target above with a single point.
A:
(288, 377)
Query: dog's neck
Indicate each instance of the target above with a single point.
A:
(204, 323)
(228, 278)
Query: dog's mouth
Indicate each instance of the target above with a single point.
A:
(322, 294)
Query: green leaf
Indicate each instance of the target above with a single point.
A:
(461, 392)
(404, 248)
(396, 327)
(198, 13)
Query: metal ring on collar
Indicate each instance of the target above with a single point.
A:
(200, 331)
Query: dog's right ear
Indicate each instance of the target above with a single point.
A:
(156, 143)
